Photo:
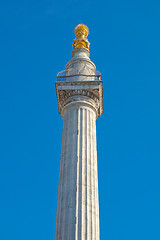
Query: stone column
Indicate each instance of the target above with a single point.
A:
(78, 208)
(79, 94)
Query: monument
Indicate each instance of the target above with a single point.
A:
(80, 101)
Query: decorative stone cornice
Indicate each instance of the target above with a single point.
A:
(89, 92)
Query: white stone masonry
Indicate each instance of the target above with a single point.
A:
(78, 208)
(80, 102)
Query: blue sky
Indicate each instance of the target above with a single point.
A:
(35, 44)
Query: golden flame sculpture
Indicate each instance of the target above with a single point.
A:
(81, 31)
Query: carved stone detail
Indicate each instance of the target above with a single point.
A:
(92, 90)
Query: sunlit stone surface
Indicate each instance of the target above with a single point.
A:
(79, 95)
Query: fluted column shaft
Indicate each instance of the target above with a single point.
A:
(77, 207)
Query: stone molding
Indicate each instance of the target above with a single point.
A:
(86, 51)
(90, 92)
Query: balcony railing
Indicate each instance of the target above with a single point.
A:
(64, 76)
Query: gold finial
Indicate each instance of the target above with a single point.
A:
(81, 31)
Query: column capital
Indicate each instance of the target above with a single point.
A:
(86, 92)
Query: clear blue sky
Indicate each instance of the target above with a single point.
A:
(35, 44)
